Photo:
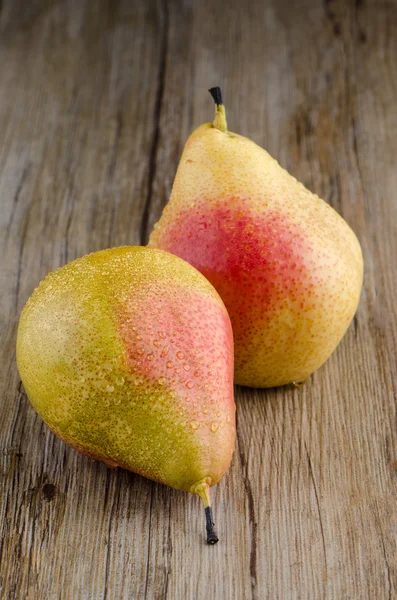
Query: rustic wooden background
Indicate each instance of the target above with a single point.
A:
(96, 101)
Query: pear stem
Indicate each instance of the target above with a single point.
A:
(212, 538)
(220, 113)
(202, 489)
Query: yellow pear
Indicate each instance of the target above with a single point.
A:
(127, 355)
(287, 266)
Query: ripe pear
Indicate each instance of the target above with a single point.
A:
(127, 355)
(288, 268)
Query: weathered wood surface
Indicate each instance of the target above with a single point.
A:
(96, 101)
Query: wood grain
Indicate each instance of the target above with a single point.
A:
(96, 102)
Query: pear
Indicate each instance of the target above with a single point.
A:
(288, 268)
(127, 355)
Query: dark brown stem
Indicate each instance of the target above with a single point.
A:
(216, 94)
(212, 538)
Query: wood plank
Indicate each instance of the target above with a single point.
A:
(95, 107)
(79, 88)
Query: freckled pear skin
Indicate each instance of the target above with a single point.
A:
(288, 267)
(127, 355)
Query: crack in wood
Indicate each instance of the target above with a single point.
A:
(71, 197)
(17, 194)
(111, 170)
(115, 504)
(149, 540)
(355, 326)
(332, 18)
(320, 518)
(168, 570)
(385, 555)
(68, 225)
(157, 114)
(355, 149)
(252, 519)
(20, 254)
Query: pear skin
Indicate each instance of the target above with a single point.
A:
(127, 355)
(287, 266)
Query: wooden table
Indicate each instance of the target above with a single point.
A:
(96, 101)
